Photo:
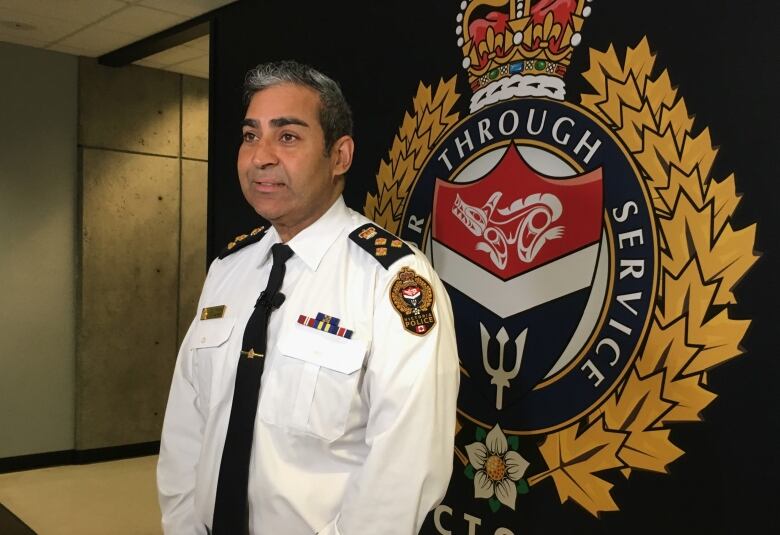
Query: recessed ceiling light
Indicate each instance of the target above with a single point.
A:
(16, 25)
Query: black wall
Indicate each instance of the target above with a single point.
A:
(722, 55)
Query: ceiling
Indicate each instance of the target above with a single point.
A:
(94, 27)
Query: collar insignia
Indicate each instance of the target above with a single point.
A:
(242, 241)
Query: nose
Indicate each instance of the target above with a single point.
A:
(263, 154)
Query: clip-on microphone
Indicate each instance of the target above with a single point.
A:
(270, 302)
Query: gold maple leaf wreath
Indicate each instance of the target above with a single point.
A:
(702, 258)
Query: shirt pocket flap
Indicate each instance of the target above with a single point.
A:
(212, 333)
(323, 349)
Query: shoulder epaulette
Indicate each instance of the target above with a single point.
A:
(241, 241)
(382, 245)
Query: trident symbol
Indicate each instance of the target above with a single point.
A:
(501, 377)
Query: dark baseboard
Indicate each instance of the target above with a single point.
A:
(37, 460)
(60, 458)
(116, 452)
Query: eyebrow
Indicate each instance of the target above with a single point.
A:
(284, 121)
(276, 123)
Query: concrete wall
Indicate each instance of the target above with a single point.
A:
(38, 192)
(102, 246)
(142, 136)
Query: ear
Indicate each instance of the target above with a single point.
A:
(341, 155)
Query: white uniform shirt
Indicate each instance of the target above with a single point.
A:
(352, 436)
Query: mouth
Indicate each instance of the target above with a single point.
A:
(265, 185)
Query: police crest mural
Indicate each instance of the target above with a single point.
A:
(587, 251)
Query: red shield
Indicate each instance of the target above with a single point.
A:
(514, 219)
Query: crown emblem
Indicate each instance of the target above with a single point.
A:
(518, 48)
(406, 275)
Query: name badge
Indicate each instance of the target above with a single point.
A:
(210, 313)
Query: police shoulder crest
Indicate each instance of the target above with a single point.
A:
(412, 298)
(241, 241)
(385, 247)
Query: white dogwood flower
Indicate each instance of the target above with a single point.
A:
(497, 468)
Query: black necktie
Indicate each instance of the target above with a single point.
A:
(231, 511)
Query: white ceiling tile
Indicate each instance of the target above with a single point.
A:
(196, 67)
(99, 40)
(176, 54)
(28, 26)
(188, 8)
(79, 11)
(197, 73)
(199, 62)
(146, 62)
(94, 27)
(201, 43)
(140, 21)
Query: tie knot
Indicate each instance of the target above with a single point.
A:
(281, 253)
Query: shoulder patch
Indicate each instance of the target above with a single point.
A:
(385, 247)
(242, 241)
(412, 297)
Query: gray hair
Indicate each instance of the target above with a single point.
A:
(335, 115)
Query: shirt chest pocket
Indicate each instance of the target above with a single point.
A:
(313, 382)
(209, 342)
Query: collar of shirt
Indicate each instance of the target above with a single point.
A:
(311, 244)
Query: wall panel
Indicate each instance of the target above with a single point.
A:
(132, 108)
(195, 118)
(193, 243)
(128, 311)
(143, 254)
(38, 184)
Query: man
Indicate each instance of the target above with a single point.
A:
(357, 371)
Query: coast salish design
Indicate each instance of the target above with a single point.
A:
(587, 250)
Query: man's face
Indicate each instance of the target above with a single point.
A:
(284, 171)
